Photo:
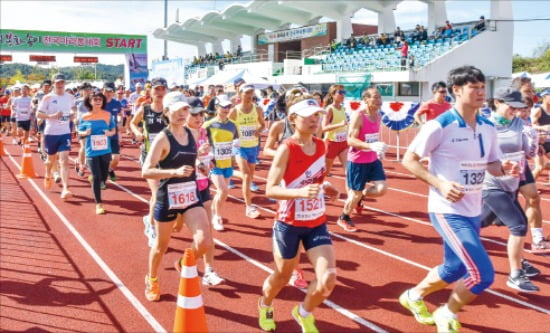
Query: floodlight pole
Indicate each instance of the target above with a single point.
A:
(165, 56)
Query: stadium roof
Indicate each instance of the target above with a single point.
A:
(237, 20)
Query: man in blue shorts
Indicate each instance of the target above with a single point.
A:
(462, 146)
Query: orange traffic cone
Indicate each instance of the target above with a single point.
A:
(27, 169)
(2, 152)
(190, 316)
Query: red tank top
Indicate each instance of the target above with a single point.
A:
(304, 170)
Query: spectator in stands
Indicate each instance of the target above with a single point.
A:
(239, 51)
(411, 61)
(398, 35)
(480, 25)
(352, 42)
(448, 26)
(417, 34)
(423, 33)
(438, 33)
(434, 107)
(404, 54)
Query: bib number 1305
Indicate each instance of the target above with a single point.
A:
(182, 195)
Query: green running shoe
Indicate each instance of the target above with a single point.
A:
(445, 324)
(267, 323)
(418, 309)
(306, 323)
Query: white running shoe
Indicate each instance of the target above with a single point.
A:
(217, 223)
(252, 212)
(212, 279)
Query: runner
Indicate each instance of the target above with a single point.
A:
(171, 160)
(45, 89)
(114, 107)
(301, 216)
(250, 123)
(335, 127)
(540, 117)
(21, 108)
(95, 127)
(13, 120)
(364, 165)
(462, 145)
(500, 194)
(221, 132)
(81, 109)
(194, 123)
(57, 109)
(147, 123)
(5, 112)
(433, 108)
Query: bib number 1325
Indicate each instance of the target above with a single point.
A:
(182, 195)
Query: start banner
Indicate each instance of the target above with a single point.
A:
(73, 42)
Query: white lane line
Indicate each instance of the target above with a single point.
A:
(157, 327)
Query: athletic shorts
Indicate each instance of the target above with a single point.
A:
(24, 124)
(225, 172)
(546, 147)
(115, 146)
(13, 119)
(57, 143)
(287, 238)
(163, 214)
(361, 173)
(4, 119)
(249, 154)
(204, 195)
(529, 179)
(335, 148)
(504, 206)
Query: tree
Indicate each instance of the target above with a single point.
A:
(18, 77)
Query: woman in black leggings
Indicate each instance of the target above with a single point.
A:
(96, 127)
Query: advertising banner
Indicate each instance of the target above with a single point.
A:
(73, 42)
(136, 66)
(291, 34)
(172, 70)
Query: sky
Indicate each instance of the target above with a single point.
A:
(143, 17)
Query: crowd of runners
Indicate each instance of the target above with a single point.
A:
(474, 155)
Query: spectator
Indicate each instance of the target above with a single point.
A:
(448, 26)
(411, 61)
(404, 54)
(480, 25)
(398, 35)
(239, 51)
(423, 33)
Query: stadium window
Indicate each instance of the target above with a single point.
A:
(408, 89)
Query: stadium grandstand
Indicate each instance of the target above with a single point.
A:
(300, 41)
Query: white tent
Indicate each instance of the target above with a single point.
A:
(228, 77)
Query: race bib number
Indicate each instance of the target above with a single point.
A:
(182, 195)
(99, 142)
(372, 137)
(247, 133)
(223, 151)
(341, 136)
(309, 209)
(152, 137)
(472, 175)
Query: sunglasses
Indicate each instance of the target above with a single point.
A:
(442, 91)
(342, 92)
(197, 114)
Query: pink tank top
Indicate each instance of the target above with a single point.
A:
(202, 180)
(369, 132)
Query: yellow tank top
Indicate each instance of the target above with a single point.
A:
(338, 134)
(247, 123)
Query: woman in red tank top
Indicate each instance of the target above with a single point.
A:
(300, 220)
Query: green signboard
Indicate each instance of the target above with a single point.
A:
(72, 42)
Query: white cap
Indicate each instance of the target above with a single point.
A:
(306, 108)
(223, 101)
(246, 87)
(139, 84)
(174, 101)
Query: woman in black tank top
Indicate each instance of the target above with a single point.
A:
(171, 160)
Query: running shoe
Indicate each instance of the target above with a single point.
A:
(266, 321)
(79, 170)
(147, 225)
(542, 247)
(359, 207)
(444, 323)
(297, 279)
(212, 279)
(56, 177)
(47, 183)
(152, 289)
(99, 210)
(112, 176)
(347, 225)
(252, 212)
(231, 184)
(66, 194)
(103, 186)
(522, 283)
(217, 223)
(528, 269)
(306, 323)
(91, 179)
(417, 308)
(254, 187)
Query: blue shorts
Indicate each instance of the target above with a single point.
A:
(463, 253)
(115, 146)
(361, 173)
(163, 214)
(225, 172)
(287, 238)
(24, 124)
(249, 154)
(57, 143)
(204, 195)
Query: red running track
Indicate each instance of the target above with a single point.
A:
(52, 280)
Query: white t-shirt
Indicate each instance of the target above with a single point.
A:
(132, 101)
(22, 107)
(457, 153)
(53, 103)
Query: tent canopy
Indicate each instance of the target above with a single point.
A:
(225, 77)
